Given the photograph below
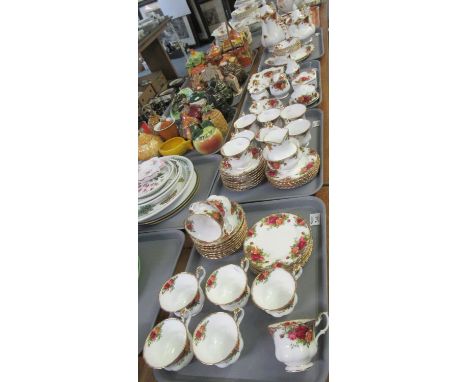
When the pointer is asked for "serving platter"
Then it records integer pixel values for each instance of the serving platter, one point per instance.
(266, 191)
(158, 254)
(257, 361)
(206, 168)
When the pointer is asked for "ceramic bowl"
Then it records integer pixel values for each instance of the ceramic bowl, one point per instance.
(292, 112)
(227, 286)
(304, 78)
(280, 88)
(300, 129)
(296, 341)
(304, 94)
(175, 146)
(217, 339)
(237, 153)
(274, 291)
(205, 222)
(270, 117)
(246, 122)
(183, 291)
(169, 345)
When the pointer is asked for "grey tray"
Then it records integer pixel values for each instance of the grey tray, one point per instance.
(257, 361)
(266, 191)
(207, 169)
(317, 40)
(158, 254)
(303, 65)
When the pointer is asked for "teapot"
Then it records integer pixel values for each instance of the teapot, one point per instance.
(272, 32)
(296, 342)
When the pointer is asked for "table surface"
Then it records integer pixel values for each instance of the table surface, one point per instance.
(145, 373)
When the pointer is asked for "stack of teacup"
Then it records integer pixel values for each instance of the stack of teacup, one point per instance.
(242, 166)
(285, 137)
(217, 226)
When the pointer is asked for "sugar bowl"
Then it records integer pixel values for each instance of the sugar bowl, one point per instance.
(183, 292)
(217, 339)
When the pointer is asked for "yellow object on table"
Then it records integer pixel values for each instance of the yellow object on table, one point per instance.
(175, 146)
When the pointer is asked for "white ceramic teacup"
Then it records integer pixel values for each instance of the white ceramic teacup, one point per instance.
(292, 112)
(274, 291)
(299, 129)
(281, 153)
(248, 134)
(227, 210)
(296, 342)
(183, 291)
(270, 117)
(247, 123)
(237, 152)
(205, 222)
(217, 339)
(228, 286)
(169, 344)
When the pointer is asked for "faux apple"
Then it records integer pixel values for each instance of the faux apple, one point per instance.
(209, 141)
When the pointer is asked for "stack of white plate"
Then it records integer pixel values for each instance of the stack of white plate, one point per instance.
(165, 185)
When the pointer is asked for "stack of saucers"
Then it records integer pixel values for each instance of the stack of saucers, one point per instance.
(242, 166)
(306, 170)
(165, 186)
(278, 238)
(217, 226)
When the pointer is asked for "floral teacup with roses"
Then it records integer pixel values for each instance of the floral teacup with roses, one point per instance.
(227, 286)
(205, 222)
(217, 339)
(274, 290)
(183, 292)
(169, 344)
(296, 341)
(237, 153)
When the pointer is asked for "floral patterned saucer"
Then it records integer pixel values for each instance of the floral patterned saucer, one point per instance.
(307, 163)
(281, 237)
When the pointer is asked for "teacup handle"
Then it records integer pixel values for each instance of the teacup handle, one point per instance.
(185, 316)
(200, 274)
(238, 315)
(317, 323)
(297, 273)
(244, 263)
